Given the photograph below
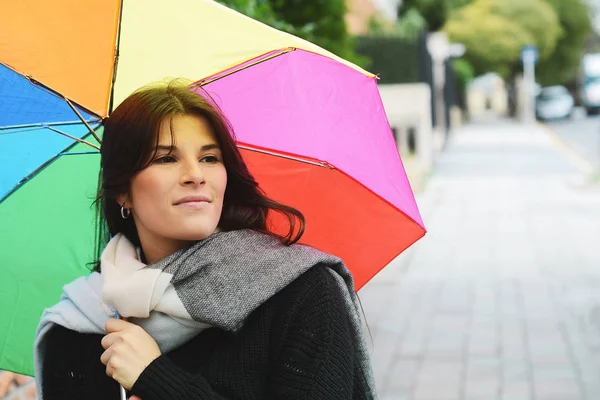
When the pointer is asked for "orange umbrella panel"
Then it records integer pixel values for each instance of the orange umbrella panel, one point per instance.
(67, 45)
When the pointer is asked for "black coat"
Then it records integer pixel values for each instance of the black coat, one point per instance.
(297, 345)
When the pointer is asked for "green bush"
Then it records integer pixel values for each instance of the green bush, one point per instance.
(464, 72)
(393, 59)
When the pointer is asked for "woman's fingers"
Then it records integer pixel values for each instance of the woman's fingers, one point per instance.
(6, 379)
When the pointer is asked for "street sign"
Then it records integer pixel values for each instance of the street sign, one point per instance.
(529, 53)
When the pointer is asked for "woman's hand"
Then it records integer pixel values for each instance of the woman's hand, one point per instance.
(129, 350)
(6, 380)
(9, 379)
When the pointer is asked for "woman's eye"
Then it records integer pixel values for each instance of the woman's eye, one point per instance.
(210, 159)
(165, 160)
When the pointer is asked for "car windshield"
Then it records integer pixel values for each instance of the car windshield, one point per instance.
(553, 92)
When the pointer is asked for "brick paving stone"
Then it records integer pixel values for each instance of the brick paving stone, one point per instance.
(404, 375)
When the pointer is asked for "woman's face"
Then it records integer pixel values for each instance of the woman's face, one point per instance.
(178, 198)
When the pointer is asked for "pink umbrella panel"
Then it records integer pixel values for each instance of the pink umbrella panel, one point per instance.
(327, 121)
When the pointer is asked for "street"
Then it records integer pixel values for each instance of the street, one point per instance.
(501, 299)
(581, 134)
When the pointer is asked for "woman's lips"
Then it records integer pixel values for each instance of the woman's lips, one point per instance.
(196, 201)
(193, 204)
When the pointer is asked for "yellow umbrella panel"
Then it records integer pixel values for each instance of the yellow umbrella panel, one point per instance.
(90, 51)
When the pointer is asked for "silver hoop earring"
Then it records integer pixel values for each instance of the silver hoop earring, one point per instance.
(125, 212)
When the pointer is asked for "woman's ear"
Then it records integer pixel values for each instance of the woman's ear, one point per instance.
(123, 201)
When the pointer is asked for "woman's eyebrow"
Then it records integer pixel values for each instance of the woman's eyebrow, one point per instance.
(206, 147)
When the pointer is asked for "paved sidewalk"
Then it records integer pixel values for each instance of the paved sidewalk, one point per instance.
(501, 300)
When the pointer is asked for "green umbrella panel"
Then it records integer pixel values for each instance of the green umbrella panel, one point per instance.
(47, 235)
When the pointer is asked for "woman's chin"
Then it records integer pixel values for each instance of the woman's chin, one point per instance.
(195, 235)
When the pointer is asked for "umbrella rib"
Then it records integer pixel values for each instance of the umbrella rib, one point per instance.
(42, 125)
(29, 177)
(116, 61)
(271, 153)
(49, 90)
(73, 137)
(94, 134)
(53, 92)
(78, 153)
(259, 60)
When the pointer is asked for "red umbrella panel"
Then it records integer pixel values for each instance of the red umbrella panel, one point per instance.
(316, 137)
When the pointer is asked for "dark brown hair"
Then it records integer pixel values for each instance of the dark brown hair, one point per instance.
(129, 142)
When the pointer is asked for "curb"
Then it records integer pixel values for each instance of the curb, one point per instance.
(574, 157)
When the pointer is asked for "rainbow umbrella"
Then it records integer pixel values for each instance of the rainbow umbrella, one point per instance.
(310, 125)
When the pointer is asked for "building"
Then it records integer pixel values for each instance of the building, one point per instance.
(360, 12)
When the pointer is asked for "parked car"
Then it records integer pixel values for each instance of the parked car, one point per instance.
(554, 102)
(591, 96)
(588, 83)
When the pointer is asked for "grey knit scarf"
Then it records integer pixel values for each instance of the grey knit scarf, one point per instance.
(216, 282)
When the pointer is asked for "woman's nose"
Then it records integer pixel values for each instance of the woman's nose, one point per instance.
(192, 173)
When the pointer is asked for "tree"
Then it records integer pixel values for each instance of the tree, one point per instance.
(320, 22)
(492, 42)
(410, 25)
(494, 32)
(326, 20)
(434, 12)
(536, 17)
(561, 67)
(560, 57)
(262, 11)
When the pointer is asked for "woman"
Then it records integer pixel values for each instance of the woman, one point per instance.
(217, 306)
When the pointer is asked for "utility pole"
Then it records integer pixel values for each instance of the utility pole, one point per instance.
(529, 57)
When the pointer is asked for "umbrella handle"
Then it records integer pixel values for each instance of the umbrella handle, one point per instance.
(122, 392)
(121, 388)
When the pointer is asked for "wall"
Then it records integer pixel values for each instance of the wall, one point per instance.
(408, 107)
